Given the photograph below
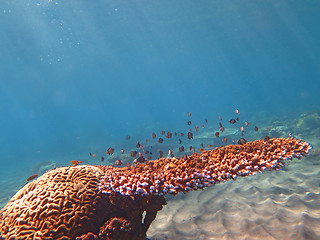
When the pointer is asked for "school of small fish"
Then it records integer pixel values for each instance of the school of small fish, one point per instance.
(144, 153)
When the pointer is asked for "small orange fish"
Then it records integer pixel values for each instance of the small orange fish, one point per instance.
(197, 128)
(122, 151)
(246, 123)
(220, 118)
(75, 163)
(32, 177)
(93, 155)
(241, 128)
(182, 134)
(163, 132)
(189, 114)
(237, 111)
(210, 145)
(202, 126)
(217, 134)
(154, 135)
(201, 149)
(146, 140)
(224, 139)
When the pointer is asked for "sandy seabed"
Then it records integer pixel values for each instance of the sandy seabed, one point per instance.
(283, 204)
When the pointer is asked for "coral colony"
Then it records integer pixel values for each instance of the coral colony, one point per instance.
(106, 202)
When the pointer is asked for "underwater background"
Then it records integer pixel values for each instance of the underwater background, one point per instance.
(78, 77)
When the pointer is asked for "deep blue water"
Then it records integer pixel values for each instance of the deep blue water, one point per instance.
(79, 76)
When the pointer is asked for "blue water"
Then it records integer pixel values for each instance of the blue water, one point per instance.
(79, 76)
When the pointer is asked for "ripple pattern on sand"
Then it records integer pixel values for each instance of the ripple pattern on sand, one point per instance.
(273, 205)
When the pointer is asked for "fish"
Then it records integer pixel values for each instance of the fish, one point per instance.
(241, 128)
(180, 141)
(146, 152)
(217, 134)
(32, 177)
(189, 114)
(93, 155)
(190, 148)
(222, 129)
(190, 135)
(169, 135)
(201, 144)
(128, 137)
(75, 163)
(237, 119)
(122, 151)
(181, 134)
(210, 145)
(197, 128)
(184, 156)
(189, 123)
(220, 118)
(220, 124)
(160, 140)
(90, 154)
(247, 123)
(110, 151)
(256, 128)
(175, 133)
(160, 154)
(224, 139)
(163, 132)
(232, 121)
(133, 153)
(154, 135)
(171, 153)
(138, 144)
(118, 163)
(149, 158)
(237, 111)
(202, 126)
(146, 140)
(141, 159)
(201, 149)
(206, 120)
(102, 159)
(181, 149)
(267, 138)
(128, 165)
(241, 141)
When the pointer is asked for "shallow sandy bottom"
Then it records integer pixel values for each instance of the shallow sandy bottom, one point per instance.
(282, 204)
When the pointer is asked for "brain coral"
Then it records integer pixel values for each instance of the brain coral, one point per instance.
(103, 202)
(61, 203)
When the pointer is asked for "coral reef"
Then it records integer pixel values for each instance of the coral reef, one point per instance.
(99, 202)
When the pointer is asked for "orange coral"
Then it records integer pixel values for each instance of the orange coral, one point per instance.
(89, 202)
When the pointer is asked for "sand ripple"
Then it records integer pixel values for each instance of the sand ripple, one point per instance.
(273, 205)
